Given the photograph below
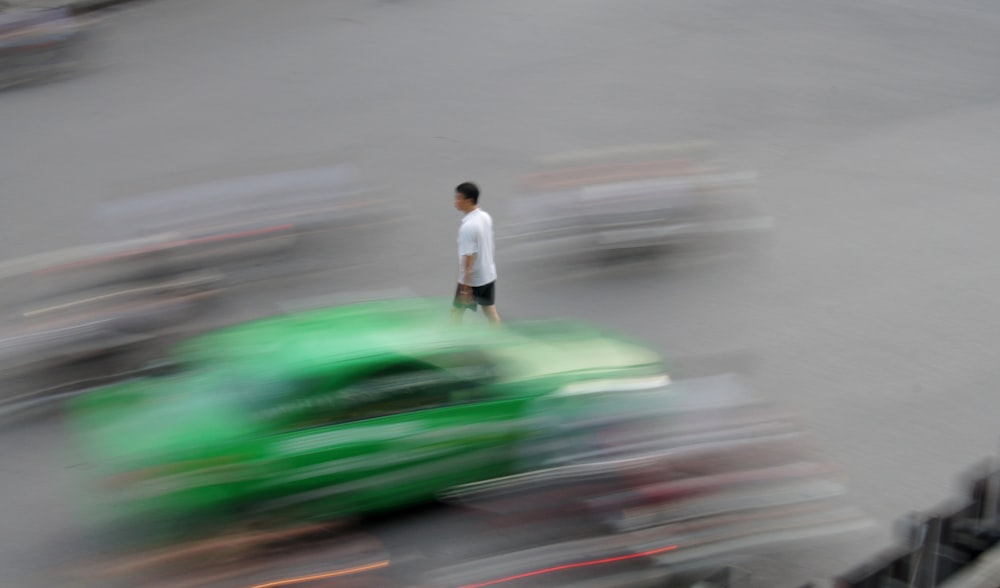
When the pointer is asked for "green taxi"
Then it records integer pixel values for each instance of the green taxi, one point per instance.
(341, 411)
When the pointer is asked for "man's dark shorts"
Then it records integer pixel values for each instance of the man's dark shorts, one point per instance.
(484, 295)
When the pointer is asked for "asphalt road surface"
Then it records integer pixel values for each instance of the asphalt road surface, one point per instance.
(874, 126)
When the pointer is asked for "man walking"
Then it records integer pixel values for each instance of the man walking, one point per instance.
(477, 273)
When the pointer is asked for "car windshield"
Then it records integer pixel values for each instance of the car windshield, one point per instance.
(256, 394)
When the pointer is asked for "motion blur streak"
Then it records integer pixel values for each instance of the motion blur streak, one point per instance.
(581, 564)
(589, 206)
(169, 245)
(346, 572)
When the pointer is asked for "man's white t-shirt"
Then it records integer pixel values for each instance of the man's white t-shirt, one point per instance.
(475, 236)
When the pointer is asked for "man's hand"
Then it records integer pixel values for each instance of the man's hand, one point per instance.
(465, 294)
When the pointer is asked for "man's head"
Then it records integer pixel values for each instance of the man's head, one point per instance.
(466, 196)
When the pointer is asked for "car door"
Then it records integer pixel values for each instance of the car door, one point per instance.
(320, 462)
(388, 438)
(454, 428)
(467, 438)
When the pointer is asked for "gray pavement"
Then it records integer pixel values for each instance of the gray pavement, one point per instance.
(873, 125)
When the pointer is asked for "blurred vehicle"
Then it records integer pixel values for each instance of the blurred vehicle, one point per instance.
(238, 222)
(79, 303)
(617, 480)
(163, 259)
(640, 198)
(337, 412)
(37, 43)
(666, 483)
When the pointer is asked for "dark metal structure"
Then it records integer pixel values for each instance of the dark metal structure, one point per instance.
(939, 546)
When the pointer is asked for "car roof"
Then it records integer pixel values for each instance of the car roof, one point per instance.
(306, 341)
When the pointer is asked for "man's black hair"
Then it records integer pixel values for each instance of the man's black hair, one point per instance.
(469, 191)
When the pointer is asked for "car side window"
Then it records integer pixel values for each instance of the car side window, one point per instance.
(407, 386)
(399, 390)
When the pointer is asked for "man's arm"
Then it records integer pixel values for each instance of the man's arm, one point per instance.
(468, 248)
(467, 263)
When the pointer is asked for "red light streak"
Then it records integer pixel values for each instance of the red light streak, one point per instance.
(571, 566)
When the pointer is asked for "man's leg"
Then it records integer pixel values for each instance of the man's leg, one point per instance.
(486, 297)
(492, 315)
(457, 314)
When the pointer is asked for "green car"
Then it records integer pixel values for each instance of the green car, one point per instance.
(342, 411)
